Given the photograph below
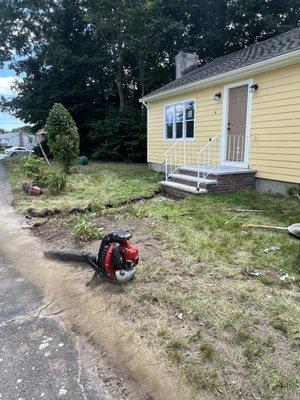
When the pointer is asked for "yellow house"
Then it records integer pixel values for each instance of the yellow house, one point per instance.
(231, 123)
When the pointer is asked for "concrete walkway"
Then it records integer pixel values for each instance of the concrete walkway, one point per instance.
(39, 357)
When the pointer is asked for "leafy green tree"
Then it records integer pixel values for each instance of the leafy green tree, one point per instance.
(23, 129)
(98, 57)
(123, 136)
(62, 135)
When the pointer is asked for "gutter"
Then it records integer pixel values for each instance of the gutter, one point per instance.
(262, 66)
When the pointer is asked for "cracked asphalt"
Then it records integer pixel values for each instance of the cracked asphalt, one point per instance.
(40, 358)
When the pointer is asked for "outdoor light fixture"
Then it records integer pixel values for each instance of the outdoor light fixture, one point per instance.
(253, 88)
(217, 96)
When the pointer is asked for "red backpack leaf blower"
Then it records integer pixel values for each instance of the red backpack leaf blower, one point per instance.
(116, 259)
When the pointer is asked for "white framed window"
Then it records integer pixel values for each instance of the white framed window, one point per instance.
(180, 120)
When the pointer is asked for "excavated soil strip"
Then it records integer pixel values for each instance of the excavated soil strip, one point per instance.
(47, 212)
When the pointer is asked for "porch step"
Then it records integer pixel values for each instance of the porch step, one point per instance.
(220, 171)
(180, 189)
(193, 179)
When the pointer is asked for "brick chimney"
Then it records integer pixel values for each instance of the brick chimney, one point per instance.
(185, 62)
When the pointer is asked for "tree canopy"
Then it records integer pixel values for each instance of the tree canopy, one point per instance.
(98, 57)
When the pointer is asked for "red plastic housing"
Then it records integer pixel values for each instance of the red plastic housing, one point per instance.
(128, 251)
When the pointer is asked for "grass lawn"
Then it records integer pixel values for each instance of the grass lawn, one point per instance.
(207, 294)
(97, 183)
(232, 334)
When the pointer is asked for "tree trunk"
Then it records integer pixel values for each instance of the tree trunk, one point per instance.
(119, 79)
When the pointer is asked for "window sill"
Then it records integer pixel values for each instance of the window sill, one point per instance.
(180, 139)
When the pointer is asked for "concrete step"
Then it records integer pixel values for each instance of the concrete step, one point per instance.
(180, 189)
(192, 180)
(220, 171)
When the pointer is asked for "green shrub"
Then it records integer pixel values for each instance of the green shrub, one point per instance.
(40, 174)
(55, 180)
(294, 191)
(84, 228)
(33, 169)
(83, 160)
(62, 136)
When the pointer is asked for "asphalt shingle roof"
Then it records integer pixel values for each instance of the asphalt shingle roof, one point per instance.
(267, 49)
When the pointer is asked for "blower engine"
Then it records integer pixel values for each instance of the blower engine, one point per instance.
(116, 259)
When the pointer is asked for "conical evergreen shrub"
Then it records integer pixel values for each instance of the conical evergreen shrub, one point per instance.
(63, 137)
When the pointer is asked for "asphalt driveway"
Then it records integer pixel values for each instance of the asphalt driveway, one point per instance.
(40, 357)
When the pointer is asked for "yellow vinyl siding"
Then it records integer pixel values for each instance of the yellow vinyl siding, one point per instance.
(275, 123)
(208, 120)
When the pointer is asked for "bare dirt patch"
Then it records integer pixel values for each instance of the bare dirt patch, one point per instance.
(57, 232)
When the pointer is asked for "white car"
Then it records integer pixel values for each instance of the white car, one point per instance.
(18, 151)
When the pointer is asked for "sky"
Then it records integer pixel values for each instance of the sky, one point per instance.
(7, 78)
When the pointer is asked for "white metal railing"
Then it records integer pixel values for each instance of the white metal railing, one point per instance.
(235, 148)
(208, 158)
(171, 164)
(201, 154)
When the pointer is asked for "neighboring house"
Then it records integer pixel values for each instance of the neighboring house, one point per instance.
(17, 140)
(231, 123)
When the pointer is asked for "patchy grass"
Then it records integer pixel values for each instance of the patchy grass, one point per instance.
(234, 329)
(231, 334)
(97, 183)
(208, 229)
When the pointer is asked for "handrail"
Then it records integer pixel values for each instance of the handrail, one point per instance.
(187, 152)
(177, 165)
(169, 149)
(210, 159)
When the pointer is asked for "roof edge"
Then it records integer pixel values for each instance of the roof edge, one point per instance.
(261, 66)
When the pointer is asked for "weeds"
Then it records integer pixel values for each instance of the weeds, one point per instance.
(96, 183)
(243, 335)
(280, 325)
(196, 336)
(174, 349)
(33, 169)
(256, 347)
(55, 181)
(207, 350)
(51, 178)
(84, 228)
(201, 376)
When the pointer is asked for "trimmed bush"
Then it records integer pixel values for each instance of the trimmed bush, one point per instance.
(62, 136)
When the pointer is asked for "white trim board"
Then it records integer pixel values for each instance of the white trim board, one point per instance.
(223, 148)
(240, 73)
(147, 130)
